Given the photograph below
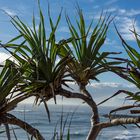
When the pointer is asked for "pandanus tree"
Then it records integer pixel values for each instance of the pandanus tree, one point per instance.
(88, 60)
(80, 59)
(43, 77)
(10, 77)
(130, 73)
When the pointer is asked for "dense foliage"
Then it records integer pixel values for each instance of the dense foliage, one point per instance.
(42, 66)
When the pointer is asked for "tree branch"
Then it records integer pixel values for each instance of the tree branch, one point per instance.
(117, 93)
(121, 121)
(11, 119)
(114, 122)
(9, 106)
(95, 117)
(89, 101)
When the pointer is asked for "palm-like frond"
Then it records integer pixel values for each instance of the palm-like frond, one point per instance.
(85, 48)
(44, 74)
(132, 72)
(133, 67)
(10, 77)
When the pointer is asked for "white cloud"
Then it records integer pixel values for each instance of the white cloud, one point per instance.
(96, 6)
(124, 19)
(131, 12)
(8, 11)
(110, 42)
(99, 91)
(128, 36)
(63, 29)
(111, 85)
(36, 27)
(125, 24)
(3, 56)
(103, 85)
(91, 16)
(113, 9)
(111, 2)
(123, 12)
(103, 90)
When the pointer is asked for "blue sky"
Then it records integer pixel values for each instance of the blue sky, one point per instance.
(127, 13)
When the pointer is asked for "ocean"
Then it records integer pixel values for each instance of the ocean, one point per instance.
(77, 117)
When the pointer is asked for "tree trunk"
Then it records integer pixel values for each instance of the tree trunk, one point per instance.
(94, 132)
(95, 128)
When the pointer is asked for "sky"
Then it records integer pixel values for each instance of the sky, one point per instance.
(126, 12)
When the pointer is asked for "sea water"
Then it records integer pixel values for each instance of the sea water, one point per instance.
(75, 117)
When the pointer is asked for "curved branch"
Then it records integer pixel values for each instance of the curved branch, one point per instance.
(9, 106)
(69, 94)
(11, 119)
(95, 118)
(117, 93)
(114, 122)
(121, 121)
(89, 101)
(93, 133)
